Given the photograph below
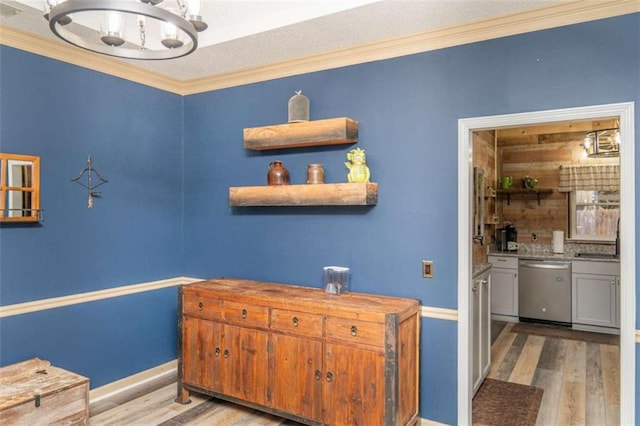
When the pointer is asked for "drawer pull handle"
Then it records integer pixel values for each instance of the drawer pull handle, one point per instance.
(329, 377)
(200, 306)
(354, 330)
(318, 375)
(295, 321)
(226, 353)
(217, 352)
(244, 313)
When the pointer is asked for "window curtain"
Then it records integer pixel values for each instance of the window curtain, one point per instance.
(597, 177)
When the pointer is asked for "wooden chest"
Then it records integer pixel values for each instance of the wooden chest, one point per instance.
(34, 392)
(300, 353)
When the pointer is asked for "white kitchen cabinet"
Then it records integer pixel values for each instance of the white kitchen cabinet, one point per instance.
(504, 287)
(481, 327)
(595, 290)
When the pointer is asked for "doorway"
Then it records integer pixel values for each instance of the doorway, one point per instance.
(625, 113)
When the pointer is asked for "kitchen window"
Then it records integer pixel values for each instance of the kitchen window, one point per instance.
(594, 215)
(594, 194)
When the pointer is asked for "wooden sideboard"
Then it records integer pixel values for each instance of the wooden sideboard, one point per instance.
(300, 353)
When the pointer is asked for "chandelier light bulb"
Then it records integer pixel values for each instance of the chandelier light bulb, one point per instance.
(50, 4)
(170, 37)
(193, 8)
(111, 33)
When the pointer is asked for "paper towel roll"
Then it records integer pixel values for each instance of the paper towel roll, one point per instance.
(558, 241)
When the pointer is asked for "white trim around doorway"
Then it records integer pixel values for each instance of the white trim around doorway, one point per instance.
(625, 111)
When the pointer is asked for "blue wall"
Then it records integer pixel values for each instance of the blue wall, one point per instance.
(408, 110)
(63, 114)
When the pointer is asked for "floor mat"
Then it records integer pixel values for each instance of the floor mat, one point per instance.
(504, 403)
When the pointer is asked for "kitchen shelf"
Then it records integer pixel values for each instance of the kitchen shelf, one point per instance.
(525, 191)
(332, 131)
(326, 194)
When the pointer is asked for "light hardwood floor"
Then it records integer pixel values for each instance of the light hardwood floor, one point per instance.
(581, 380)
(159, 408)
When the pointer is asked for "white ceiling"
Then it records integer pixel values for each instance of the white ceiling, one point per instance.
(245, 34)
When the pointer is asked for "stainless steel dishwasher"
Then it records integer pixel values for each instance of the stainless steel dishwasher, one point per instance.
(544, 290)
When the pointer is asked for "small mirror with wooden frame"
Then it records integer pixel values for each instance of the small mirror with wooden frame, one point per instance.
(19, 188)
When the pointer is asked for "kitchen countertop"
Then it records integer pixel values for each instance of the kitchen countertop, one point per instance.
(555, 256)
(479, 268)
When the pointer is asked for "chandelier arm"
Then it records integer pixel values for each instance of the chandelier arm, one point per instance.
(60, 12)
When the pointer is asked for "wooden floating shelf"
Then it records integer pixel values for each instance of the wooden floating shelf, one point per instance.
(326, 194)
(332, 131)
(513, 191)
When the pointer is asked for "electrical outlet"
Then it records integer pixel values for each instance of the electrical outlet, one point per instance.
(534, 236)
(427, 269)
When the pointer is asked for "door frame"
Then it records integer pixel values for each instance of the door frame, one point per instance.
(625, 112)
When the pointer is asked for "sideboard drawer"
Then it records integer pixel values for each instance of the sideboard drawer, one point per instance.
(246, 314)
(354, 331)
(296, 322)
(202, 307)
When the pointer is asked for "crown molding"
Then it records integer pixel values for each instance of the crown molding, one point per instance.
(565, 13)
(83, 58)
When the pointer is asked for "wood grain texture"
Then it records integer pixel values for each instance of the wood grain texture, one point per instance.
(579, 373)
(525, 367)
(327, 194)
(33, 392)
(595, 407)
(333, 131)
(610, 357)
(346, 364)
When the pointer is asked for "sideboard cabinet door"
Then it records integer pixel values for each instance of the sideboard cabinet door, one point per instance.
(201, 350)
(295, 368)
(354, 391)
(244, 361)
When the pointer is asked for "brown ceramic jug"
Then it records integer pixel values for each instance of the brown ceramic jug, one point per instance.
(278, 174)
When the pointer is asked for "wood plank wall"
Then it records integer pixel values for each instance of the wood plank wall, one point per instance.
(537, 151)
(484, 156)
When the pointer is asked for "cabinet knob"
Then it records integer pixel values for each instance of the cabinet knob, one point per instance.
(475, 289)
(329, 377)
(200, 306)
(354, 330)
(318, 375)
(217, 352)
(485, 282)
(226, 353)
(244, 313)
(295, 321)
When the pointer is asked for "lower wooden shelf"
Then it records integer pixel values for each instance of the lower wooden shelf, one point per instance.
(326, 194)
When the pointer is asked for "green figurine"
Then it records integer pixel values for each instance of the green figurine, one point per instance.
(358, 170)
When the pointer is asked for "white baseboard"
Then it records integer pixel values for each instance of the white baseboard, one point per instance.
(135, 383)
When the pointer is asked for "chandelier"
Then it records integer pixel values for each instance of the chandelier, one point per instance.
(128, 28)
(602, 143)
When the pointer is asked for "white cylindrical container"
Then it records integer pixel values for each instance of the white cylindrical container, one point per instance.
(558, 241)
